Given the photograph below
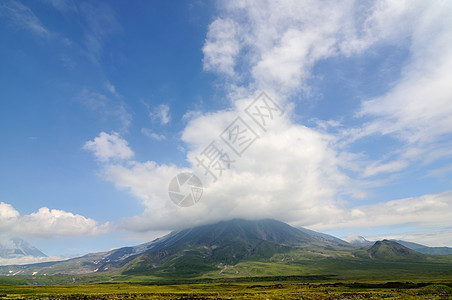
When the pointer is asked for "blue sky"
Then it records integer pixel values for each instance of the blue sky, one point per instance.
(103, 103)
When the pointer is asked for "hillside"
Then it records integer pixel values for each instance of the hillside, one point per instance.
(390, 250)
(324, 237)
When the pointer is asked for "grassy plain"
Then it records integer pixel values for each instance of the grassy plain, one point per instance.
(280, 289)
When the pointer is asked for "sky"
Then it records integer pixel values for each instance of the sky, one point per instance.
(342, 113)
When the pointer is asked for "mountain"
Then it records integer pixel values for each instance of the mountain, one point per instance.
(425, 249)
(390, 250)
(15, 248)
(227, 234)
(358, 240)
(203, 248)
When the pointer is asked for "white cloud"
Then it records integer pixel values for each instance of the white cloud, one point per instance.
(378, 168)
(280, 41)
(58, 223)
(191, 114)
(289, 174)
(430, 210)
(418, 110)
(275, 44)
(8, 215)
(149, 133)
(23, 17)
(221, 47)
(109, 146)
(7, 212)
(161, 114)
(47, 223)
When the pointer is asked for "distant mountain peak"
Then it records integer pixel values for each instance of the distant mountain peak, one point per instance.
(16, 247)
(357, 240)
(425, 249)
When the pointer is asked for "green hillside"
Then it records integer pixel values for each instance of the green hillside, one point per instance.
(390, 250)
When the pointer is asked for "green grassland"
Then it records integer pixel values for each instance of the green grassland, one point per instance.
(289, 289)
(290, 275)
(285, 276)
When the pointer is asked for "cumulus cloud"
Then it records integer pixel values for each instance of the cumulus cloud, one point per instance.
(289, 173)
(8, 215)
(47, 223)
(109, 146)
(221, 47)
